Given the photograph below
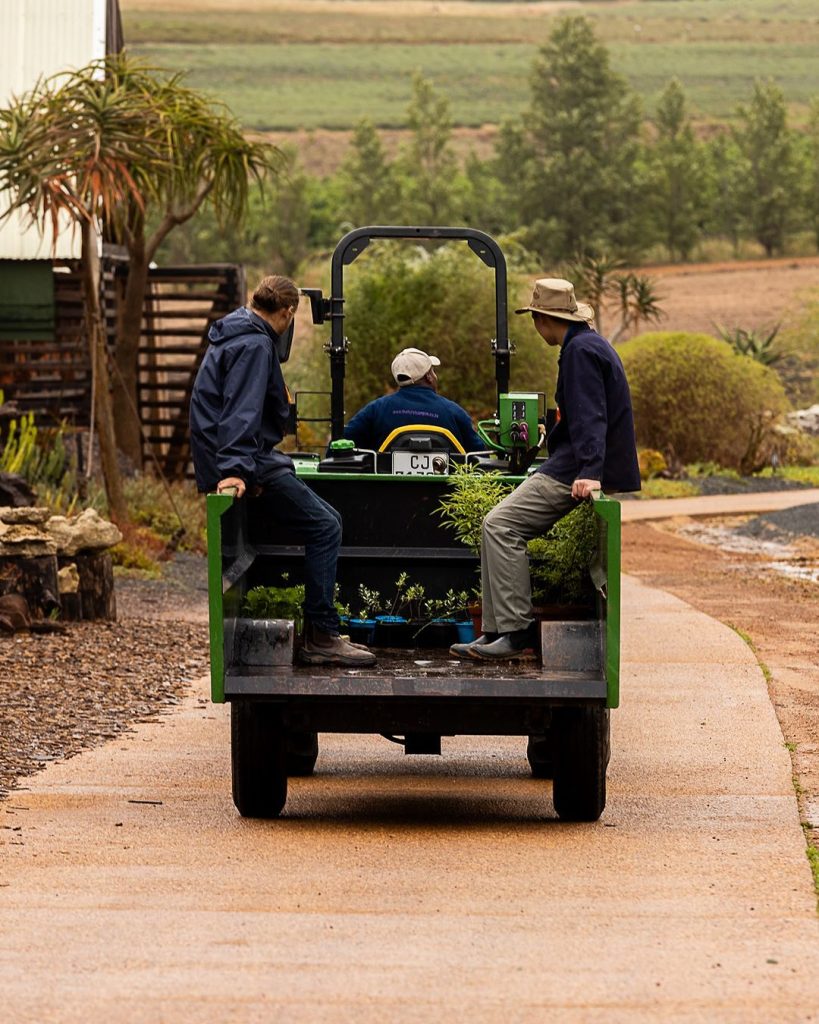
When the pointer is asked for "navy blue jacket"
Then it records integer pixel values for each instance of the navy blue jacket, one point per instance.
(410, 405)
(240, 405)
(594, 437)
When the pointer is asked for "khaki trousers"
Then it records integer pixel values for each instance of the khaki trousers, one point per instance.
(529, 511)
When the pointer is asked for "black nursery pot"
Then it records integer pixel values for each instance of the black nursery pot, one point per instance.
(441, 633)
(393, 631)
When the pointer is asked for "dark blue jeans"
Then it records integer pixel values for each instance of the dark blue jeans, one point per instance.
(317, 525)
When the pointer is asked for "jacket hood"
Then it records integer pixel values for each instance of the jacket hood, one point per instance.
(240, 322)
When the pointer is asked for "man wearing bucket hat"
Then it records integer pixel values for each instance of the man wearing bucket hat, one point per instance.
(592, 446)
(415, 403)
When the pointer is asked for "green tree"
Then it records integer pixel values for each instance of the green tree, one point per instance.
(368, 186)
(677, 186)
(147, 145)
(580, 190)
(73, 152)
(771, 186)
(428, 168)
(724, 167)
(811, 168)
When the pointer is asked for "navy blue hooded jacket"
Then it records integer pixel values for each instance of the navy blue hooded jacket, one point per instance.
(240, 405)
(594, 437)
(410, 405)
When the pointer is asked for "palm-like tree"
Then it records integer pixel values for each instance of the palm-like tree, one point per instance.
(117, 145)
(70, 166)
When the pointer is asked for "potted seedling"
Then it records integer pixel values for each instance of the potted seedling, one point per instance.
(393, 629)
(362, 627)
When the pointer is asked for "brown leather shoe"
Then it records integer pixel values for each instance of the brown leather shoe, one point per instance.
(330, 649)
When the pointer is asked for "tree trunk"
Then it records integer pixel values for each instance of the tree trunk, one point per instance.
(96, 590)
(129, 331)
(103, 411)
(34, 577)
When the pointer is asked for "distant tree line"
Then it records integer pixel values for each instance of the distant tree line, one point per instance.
(581, 172)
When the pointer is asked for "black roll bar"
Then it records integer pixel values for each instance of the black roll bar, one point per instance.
(350, 248)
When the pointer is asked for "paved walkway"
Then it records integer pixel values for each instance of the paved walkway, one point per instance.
(718, 504)
(419, 889)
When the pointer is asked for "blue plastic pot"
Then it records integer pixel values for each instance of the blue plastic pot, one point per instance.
(466, 631)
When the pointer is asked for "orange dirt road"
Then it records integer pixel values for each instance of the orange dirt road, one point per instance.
(419, 889)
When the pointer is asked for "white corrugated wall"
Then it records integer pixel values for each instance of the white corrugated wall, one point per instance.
(42, 37)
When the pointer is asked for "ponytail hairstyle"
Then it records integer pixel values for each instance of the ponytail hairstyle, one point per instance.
(274, 293)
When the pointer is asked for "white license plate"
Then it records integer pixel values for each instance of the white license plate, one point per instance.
(420, 463)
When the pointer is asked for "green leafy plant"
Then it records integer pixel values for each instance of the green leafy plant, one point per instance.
(471, 496)
(559, 561)
(369, 602)
(400, 586)
(40, 458)
(759, 345)
(276, 603)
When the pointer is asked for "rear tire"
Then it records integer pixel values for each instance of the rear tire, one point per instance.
(582, 750)
(302, 752)
(258, 753)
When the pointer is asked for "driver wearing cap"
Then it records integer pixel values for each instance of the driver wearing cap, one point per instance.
(416, 403)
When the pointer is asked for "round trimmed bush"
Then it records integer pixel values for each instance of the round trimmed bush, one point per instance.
(697, 400)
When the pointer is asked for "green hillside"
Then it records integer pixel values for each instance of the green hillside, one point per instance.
(280, 65)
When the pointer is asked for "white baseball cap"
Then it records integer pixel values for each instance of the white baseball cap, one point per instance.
(410, 365)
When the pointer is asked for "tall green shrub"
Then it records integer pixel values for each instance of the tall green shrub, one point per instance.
(697, 400)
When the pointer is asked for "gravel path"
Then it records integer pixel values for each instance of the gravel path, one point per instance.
(63, 693)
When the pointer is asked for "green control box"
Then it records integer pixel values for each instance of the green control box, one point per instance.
(518, 420)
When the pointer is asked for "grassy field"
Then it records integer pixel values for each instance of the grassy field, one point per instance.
(281, 64)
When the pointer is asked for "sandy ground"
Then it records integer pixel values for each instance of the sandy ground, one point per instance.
(428, 888)
(752, 295)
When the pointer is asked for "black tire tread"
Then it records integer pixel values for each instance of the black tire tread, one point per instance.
(258, 759)
(582, 749)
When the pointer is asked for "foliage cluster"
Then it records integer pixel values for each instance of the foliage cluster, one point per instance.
(471, 496)
(276, 603)
(637, 187)
(559, 562)
(40, 458)
(410, 600)
(696, 399)
(442, 301)
(151, 505)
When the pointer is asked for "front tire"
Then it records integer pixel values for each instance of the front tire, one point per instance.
(258, 753)
(582, 750)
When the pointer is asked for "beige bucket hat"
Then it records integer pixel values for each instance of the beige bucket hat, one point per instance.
(555, 297)
(411, 364)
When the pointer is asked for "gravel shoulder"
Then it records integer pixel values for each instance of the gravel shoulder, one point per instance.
(62, 693)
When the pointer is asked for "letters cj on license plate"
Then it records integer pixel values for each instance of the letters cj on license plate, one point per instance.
(419, 463)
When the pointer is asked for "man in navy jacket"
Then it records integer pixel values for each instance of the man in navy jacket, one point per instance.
(592, 446)
(415, 402)
(238, 415)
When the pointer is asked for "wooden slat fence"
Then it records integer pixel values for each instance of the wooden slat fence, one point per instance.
(52, 379)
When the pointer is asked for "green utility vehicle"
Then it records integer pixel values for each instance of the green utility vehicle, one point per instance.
(416, 693)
